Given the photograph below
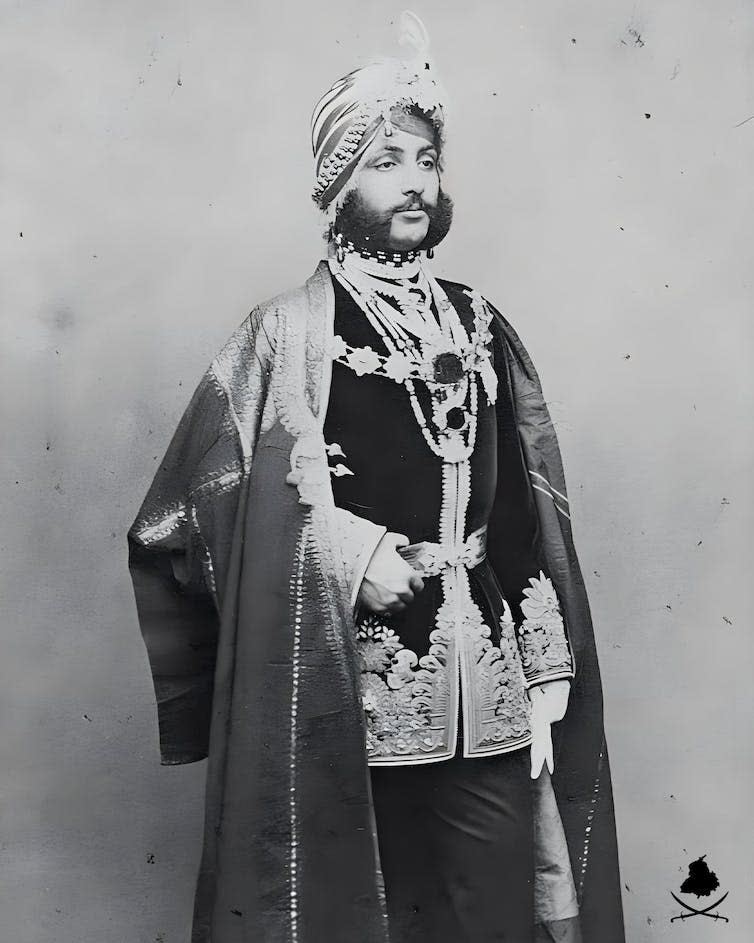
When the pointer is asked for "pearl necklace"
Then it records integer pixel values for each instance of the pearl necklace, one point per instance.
(439, 342)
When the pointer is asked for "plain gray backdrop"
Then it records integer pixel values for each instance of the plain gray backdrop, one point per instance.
(156, 171)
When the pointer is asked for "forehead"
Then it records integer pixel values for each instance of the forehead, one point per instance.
(401, 141)
(414, 123)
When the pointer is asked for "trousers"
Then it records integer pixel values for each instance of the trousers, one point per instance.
(456, 846)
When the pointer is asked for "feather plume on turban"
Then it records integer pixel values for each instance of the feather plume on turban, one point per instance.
(349, 115)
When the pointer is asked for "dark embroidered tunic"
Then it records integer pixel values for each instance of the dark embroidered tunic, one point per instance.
(412, 707)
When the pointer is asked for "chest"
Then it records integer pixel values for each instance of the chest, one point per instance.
(384, 466)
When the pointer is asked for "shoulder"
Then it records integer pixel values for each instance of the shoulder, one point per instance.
(503, 332)
(263, 325)
(293, 303)
(307, 294)
(458, 292)
(469, 304)
(455, 290)
(468, 297)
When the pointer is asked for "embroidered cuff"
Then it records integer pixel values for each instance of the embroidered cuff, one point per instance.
(358, 540)
(545, 679)
(545, 652)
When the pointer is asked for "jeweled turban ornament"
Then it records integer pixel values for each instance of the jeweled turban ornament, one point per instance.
(358, 107)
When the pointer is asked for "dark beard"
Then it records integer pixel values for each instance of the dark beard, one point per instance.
(368, 229)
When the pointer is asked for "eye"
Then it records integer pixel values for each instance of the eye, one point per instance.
(384, 165)
(428, 162)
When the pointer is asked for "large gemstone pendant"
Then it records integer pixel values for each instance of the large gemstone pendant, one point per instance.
(447, 367)
(456, 419)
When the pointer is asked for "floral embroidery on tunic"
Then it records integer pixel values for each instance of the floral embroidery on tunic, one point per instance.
(409, 701)
(400, 690)
(406, 698)
(543, 642)
(499, 681)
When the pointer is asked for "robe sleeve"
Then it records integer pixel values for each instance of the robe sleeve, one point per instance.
(358, 540)
(520, 563)
(180, 541)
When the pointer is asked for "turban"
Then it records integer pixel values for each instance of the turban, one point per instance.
(349, 115)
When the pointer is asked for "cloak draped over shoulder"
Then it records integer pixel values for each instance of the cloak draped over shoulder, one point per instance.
(244, 604)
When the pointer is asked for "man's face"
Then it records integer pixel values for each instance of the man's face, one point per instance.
(397, 187)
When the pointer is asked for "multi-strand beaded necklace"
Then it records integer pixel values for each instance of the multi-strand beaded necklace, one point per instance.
(425, 341)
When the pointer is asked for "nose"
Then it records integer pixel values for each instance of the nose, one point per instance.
(413, 181)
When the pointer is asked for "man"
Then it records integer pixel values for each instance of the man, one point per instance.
(358, 589)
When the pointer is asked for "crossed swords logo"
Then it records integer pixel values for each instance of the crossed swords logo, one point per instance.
(692, 912)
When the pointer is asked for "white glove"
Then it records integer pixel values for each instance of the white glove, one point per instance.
(548, 705)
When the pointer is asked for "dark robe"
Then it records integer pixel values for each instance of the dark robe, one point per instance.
(244, 606)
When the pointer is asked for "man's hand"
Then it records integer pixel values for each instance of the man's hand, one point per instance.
(548, 705)
(389, 583)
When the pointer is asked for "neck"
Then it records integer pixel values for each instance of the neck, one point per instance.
(385, 263)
